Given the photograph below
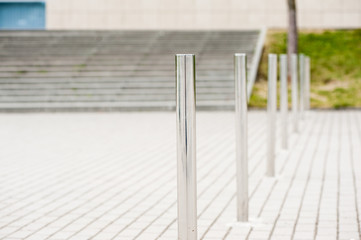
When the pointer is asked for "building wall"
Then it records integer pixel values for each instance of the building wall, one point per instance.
(199, 14)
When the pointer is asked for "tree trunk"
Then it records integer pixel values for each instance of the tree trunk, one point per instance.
(292, 42)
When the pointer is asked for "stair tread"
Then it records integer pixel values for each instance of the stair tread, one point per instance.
(115, 69)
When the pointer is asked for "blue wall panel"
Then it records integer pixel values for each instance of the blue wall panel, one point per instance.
(22, 15)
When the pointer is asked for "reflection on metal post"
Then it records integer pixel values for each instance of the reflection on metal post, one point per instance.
(294, 91)
(240, 66)
(302, 85)
(284, 99)
(308, 82)
(271, 109)
(186, 147)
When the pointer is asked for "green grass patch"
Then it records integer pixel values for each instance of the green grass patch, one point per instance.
(335, 66)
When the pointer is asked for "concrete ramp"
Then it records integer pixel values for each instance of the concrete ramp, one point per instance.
(118, 70)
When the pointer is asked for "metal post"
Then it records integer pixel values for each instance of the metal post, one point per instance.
(308, 82)
(240, 66)
(271, 109)
(284, 99)
(302, 85)
(294, 91)
(186, 147)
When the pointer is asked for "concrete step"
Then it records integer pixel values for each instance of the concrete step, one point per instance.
(106, 79)
(115, 70)
(110, 106)
(125, 85)
(111, 91)
(108, 98)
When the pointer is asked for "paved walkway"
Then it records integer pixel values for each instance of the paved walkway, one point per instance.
(113, 176)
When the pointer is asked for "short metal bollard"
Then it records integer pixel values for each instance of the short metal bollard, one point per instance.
(186, 146)
(284, 100)
(302, 85)
(294, 80)
(271, 109)
(307, 82)
(240, 76)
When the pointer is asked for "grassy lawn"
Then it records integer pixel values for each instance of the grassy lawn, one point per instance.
(335, 67)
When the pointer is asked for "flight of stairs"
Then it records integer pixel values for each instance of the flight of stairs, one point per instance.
(115, 70)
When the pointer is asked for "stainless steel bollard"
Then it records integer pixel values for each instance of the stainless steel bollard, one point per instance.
(294, 80)
(308, 82)
(186, 146)
(302, 85)
(271, 109)
(284, 100)
(240, 76)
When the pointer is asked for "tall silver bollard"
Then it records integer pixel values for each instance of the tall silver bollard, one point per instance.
(308, 82)
(271, 109)
(240, 76)
(186, 146)
(302, 85)
(284, 100)
(294, 80)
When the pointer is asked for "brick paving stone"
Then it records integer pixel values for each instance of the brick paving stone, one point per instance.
(113, 176)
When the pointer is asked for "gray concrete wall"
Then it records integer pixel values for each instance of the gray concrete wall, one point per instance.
(199, 14)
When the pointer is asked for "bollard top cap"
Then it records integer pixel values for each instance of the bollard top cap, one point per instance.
(185, 55)
(240, 54)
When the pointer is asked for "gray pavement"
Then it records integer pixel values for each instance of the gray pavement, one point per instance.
(113, 176)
